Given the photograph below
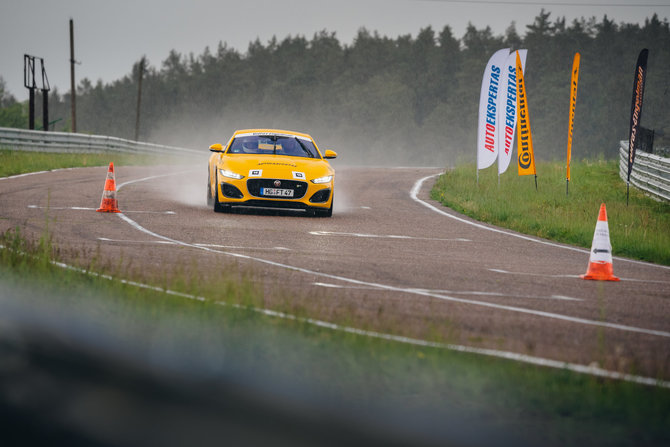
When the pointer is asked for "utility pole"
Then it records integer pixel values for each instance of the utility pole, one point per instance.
(73, 93)
(140, 75)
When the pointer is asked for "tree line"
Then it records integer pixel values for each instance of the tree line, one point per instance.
(380, 100)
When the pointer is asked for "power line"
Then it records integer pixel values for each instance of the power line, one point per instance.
(540, 3)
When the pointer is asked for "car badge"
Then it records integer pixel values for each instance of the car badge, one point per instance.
(277, 183)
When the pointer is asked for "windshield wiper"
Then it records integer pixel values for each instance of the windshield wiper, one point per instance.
(302, 146)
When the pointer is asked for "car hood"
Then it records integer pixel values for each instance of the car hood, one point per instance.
(275, 166)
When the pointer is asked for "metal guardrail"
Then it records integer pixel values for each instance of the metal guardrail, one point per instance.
(650, 173)
(40, 141)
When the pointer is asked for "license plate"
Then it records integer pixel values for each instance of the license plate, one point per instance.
(277, 192)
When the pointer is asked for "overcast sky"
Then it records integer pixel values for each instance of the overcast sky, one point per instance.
(111, 35)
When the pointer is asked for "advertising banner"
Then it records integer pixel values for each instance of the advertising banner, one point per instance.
(488, 129)
(507, 110)
(573, 104)
(636, 107)
(524, 137)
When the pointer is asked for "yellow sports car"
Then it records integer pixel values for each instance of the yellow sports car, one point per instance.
(271, 169)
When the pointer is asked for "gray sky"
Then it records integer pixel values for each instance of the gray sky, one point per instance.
(111, 35)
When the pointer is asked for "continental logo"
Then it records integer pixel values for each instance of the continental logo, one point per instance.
(524, 137)
(525, 155)
(573, 103)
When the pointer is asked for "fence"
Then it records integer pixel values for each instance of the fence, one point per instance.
(650, 173)
(40, 141)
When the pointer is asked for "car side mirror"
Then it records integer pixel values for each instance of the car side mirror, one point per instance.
(330, 154)
(218, 147)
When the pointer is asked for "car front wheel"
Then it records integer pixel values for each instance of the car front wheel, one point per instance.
(218, 207)
(210, 199)
(316, 212)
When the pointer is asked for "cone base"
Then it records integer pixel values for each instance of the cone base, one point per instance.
(109, 206)
(600, 278)
(599, 272)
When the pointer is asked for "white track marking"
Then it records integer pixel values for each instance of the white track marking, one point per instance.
(406, 290)
(385, 236)
(126, 241)
(35, 173)
(573, 276)
(504, 295)
(567, 298)
(144, 179)
(414, 196)
(161, 242)
(82, 208)
(243, 248)
(456, 292)
(523, 358)
(69, 169)
(76, 208)
(531, 274)
(340, 286)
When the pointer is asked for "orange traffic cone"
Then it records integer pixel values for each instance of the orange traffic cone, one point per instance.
(600, 260)
(109, 204)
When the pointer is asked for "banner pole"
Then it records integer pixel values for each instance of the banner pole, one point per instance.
(567, 187)
(627, 192)
(535, 182)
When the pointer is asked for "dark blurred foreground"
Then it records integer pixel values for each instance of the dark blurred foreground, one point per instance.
(67, 380)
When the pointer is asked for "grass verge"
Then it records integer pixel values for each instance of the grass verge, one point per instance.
(457, 396)
(21, 162)
(638, 230)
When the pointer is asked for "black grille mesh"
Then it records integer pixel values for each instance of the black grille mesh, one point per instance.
(254, 186)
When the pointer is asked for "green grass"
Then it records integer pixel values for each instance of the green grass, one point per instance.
(21, 162)
(638, 230)
(549, 406)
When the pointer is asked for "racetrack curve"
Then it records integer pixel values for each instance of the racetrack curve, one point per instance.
(389, 260)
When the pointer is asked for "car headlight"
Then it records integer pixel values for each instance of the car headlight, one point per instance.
(230, 174)
(325, 179)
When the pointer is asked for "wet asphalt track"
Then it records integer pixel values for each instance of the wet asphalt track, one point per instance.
(385, 256)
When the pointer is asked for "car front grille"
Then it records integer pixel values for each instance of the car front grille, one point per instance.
(254, 187)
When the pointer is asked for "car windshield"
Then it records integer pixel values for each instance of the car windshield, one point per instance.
(274, 144)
